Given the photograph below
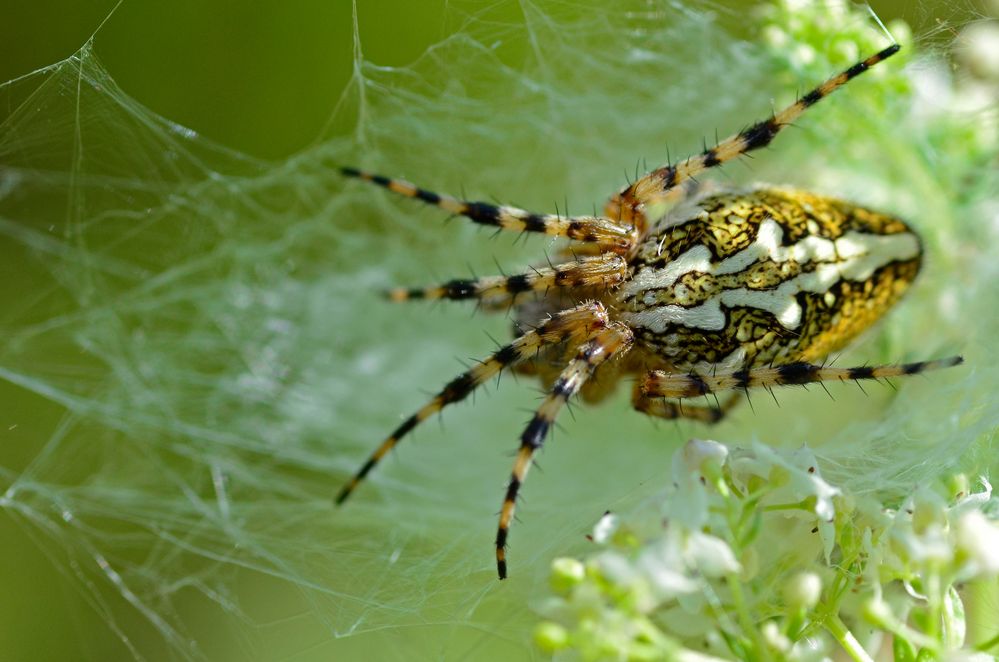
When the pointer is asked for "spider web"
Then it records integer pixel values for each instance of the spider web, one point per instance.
(202, 331)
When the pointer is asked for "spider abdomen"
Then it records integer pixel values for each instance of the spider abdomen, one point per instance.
(768, 275)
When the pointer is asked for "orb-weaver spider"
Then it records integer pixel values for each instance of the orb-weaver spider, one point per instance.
(750, 289)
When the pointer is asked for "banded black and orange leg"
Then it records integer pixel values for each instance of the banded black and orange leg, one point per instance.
(611, 341)
(629, 211)
(661, 384)
(660, 407)
(602, 271)
(608, 234)
(664, 184)
(575, 325)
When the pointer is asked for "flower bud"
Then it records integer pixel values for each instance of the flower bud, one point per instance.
(551, 637)
(977, 49)
(774, 637)
(802, 591)
(566, 573)
(697, 453)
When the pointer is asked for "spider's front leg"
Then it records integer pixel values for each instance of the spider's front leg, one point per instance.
(629, 211)
(662, 384)
(607, 234)
(572, 326)
(665, 184)
(611, 341)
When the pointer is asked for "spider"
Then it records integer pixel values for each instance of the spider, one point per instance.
(751, 288)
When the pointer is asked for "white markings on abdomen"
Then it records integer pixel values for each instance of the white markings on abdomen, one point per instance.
(696, 259)
(855, 257)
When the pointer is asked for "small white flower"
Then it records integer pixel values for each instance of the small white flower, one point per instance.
(932, 545)
(664, 570)
(977, 49)
(696, 453)
(689, 504)
(799, 471)
(615, 568)
(774, 637)
(978, 542)
(968, 656)
(809, 649)
(805, 481)
(775, 37)
(803, 55)
(687, 655)
(710, 555)
(605, 528)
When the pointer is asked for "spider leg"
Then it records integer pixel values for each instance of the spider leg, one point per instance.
(604, 271)
(662, 185)
(659, 383)
(573, 325)
(660, 407)
(588, 229)
(576, 251)
(629, 211)
(612, 340)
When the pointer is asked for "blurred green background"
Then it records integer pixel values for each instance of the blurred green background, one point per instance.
(264, 81)
(261, 80)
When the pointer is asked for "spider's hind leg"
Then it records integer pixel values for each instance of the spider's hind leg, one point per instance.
(660, 407)
(662, 384)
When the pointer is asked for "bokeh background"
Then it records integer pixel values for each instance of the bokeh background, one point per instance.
(264, 82)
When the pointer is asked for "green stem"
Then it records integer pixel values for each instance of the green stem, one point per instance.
(745, 618)
(846, 639)
(828, 608)
(749, 628)
(797, 505)
(987, 645)
(934, 603)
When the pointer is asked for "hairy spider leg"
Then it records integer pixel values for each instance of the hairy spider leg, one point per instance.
(611, 341)
(659, 383)
(573, 325)
(661, 185)
(629, 212)
(608, 234)
(660, 407)
(602, 271)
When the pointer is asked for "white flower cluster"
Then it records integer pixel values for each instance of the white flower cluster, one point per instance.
(754, 556)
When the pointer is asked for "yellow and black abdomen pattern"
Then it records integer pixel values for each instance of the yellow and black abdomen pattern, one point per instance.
(768, 275)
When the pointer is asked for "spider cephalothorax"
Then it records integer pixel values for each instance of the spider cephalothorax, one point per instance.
(749, 289)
